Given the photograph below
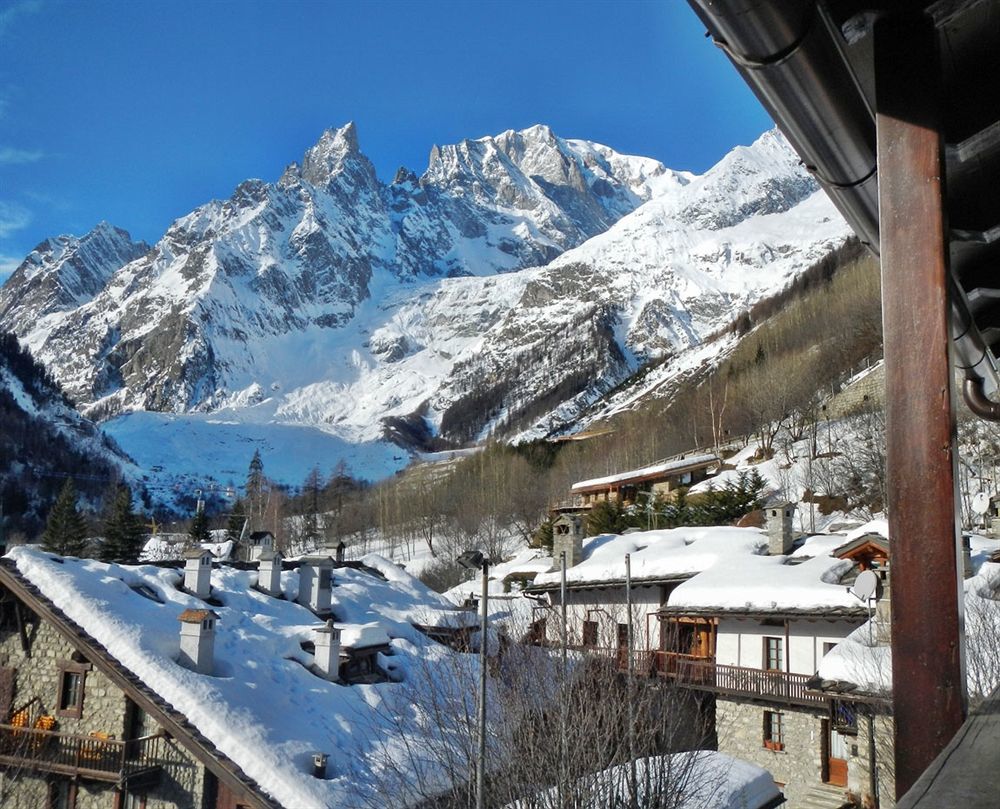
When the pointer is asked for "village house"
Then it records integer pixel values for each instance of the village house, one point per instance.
(210, 686)
(639, 486)
(744, 618)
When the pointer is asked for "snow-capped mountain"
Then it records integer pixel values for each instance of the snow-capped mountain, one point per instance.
(512, 284)
(62, 273)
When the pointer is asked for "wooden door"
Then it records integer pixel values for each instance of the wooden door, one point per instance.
(836, 764)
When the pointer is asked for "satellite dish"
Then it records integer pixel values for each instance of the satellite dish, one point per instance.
(866, 584)
(981, 503)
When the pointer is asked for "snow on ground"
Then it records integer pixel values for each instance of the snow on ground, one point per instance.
(183, 452)
(701, 779)
(262, 707)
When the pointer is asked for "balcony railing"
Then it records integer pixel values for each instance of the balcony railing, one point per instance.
(738, 681)
(91, 757)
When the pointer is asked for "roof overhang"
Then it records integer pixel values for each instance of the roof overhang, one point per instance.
(811, 64)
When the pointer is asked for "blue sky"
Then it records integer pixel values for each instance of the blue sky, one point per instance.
(136, 112)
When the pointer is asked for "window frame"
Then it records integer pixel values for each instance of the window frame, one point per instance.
(590, 634)
(773, 731)
(779, 650)
(70, 669)
(55, 800)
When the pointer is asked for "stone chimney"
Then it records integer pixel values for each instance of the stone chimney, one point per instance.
(316, 583)
(778, 523)
(269, 572)
(337, 551)
(198, 640)
(198, 572)
(327, 654)
(567, 537)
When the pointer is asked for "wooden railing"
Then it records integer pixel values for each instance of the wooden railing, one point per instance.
(739, 681)
(86, 756)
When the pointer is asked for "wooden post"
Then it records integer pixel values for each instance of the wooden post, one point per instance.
(928, 670)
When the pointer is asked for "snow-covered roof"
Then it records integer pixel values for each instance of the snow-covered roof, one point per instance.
(262, 709)
(720, 569)
(747, 583)
(664, 468)
(864, 658)
(672, 553)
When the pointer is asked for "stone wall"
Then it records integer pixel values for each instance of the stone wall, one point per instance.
(105, 708)
(867, 393)
(858, 767)
(797, 768)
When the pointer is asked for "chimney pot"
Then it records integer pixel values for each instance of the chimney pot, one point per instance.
(197, 642)
(316, 583)
(198, 572)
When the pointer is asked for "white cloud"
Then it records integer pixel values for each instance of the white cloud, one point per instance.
(9, 156)
(7, 266)
(13, 218)
(11, 13)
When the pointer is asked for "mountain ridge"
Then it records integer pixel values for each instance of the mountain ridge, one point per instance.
(501, 292)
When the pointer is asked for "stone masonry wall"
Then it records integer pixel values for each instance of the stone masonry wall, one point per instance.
(865, 394)
(104, 711)
(797, 767)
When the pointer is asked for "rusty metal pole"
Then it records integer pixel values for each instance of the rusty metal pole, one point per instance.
(928, 670)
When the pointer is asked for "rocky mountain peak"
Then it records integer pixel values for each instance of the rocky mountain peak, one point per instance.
(327, 158)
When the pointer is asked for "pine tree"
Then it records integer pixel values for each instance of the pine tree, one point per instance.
(123, 533)
(199, 527)
(234, 526)
(310, 519)
(66, 531)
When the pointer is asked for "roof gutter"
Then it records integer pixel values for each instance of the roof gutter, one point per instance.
(791, 55)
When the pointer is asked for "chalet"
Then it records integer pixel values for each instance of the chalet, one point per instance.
(252, 545)
(744, 618)
(122, 687)
(661, 478)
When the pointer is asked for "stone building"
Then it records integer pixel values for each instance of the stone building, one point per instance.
(80, 730)
(742, 618)
(123, 688)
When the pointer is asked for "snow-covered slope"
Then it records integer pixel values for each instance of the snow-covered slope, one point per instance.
(414, 309)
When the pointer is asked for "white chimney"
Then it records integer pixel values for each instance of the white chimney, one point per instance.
(316, 583)
(198, 572)
(197, 640)
(327, 653)
(269, 572)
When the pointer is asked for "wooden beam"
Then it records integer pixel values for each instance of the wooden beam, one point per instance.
(928, 671)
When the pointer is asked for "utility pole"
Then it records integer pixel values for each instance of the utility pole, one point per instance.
(563, 751)
(633, 787)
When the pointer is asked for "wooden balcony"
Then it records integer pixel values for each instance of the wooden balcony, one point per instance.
(133, 763)
(758, 685)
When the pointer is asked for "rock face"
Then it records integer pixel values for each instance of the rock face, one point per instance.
(516, 281)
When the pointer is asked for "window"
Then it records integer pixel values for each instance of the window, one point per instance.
(590, 633)
(131, 800)
(71, 686)
(828, 647)
(773, 735)
(773, 657)
(62, 795)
